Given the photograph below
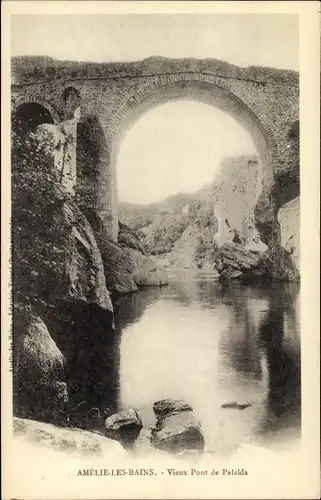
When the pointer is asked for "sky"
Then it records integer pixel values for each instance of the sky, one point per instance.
(242, 39)
(164, 151)
(176, 147)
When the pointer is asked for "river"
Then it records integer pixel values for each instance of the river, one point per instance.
(210, 344)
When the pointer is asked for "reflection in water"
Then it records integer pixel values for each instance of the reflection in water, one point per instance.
(210, 344)
(279, 340)
(129, 308)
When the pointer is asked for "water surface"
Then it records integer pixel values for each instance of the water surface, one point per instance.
(211, 344)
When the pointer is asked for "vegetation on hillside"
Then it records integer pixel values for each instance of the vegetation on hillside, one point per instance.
(164, 231)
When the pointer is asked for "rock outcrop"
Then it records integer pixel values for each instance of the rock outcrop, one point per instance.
(177, 429)
(235, 261)
(234, 194)
(124, 426)
(84, 270)
(128, 237)
(126, 268)
(236, 405)
(196, 247)
(193, 250)
(289, 220)
(118, 266)
(164, 231)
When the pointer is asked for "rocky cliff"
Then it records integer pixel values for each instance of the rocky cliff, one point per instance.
(63, 335)
(289, 220)
(196, 247)
(234, 195)
(66, 273)
(187, 231)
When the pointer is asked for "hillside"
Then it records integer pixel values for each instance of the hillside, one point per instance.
(138, 216)
(185, 229)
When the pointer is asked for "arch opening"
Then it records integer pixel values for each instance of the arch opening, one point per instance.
(177, 147)
(28, 116)
(208, 93)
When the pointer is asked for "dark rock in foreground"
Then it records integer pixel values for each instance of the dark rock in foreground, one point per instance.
(124, 426)
(177, 428)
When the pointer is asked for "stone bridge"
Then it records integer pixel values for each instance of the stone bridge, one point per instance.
(264, 101)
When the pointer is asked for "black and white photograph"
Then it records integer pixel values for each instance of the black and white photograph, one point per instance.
(155, 282)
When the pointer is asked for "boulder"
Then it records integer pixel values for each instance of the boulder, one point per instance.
(236, 405)
(40, 389)
(230, 274)
(74, 442)
(170, 407)
(124, 426)
(234, 194)
(177, 428)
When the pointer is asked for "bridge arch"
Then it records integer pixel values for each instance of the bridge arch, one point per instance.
(266, 99)
(36, 102)
(210, 89)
